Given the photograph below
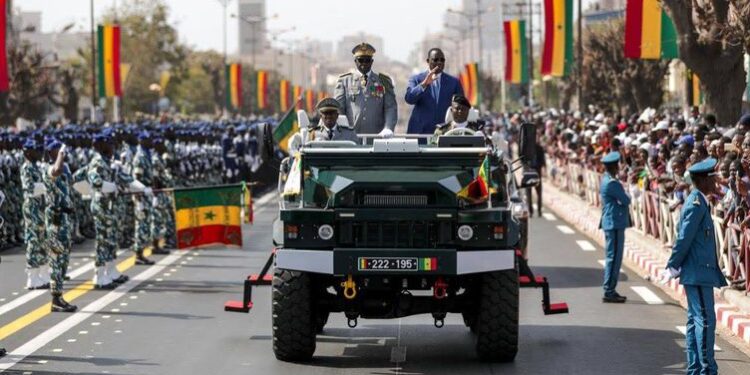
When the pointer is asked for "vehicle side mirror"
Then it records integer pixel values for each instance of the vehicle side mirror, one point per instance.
(527, 143)
(265, 142)
(530, 179)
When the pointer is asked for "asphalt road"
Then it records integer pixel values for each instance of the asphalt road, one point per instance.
(169, 320)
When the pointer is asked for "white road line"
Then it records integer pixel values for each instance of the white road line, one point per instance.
(586, 245)
(683, 330)
(266, 198)
(66, 325)
(27, 297)
(565, 229)
(647, 295)
(602, 262)
(549, 216)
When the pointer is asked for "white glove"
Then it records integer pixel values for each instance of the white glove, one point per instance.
(155, 201)
(669, 274)
(136, 186)
(39, 190)
(148, 192)
(386, 133)
(63, 149)
(108, 187)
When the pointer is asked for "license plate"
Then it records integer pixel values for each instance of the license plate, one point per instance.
(396, 264)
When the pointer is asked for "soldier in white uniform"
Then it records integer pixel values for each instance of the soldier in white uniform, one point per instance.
(367, 98)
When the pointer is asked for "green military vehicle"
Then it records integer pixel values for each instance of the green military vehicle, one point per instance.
(393, 228)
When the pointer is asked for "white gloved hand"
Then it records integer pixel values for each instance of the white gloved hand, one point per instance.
(148, 192)
(63, 149)
(136, 186)
(386, 133)
(39, 190)
(154, 201)
(108, 187)
(669, 274)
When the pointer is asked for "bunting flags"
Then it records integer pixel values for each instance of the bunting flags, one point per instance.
(262, 89)
(233, 76)
(649, 32)
(310, 100)
(516, 53)
(557, 55)
(4, 75)
(284, 94)
(472, 90)
(695, 96)
(108, 48)
(464, 79)
(296, 96)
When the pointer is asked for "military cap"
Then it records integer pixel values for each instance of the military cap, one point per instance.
(328, 104)
(705, 166)
(612, 157)
(30, 144)
(144, 135)
(103, 137)
(363, 49)
(460, 99)
(52, 144)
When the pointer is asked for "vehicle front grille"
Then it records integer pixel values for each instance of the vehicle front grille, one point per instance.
(398, 234)
(388, 200)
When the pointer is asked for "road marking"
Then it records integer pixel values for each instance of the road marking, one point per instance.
(683, 330)
(549, 216)
(565, 229)
(94, 307)
(70, 296)
(586, 245)
(603, 263)
(647, 295)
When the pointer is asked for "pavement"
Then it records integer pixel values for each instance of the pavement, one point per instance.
(169, 319)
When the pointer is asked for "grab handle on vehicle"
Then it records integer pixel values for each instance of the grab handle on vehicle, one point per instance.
(350, 288)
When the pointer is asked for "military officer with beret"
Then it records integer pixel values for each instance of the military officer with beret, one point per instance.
(328, 129)
(367, 98)
(460, 108)
(615, 218)
(694, 261)
(37, 268)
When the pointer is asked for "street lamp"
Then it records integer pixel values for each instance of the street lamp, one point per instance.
(253, 22)
(274, 37)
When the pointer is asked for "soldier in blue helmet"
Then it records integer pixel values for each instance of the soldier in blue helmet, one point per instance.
(694, 261)
(615, 218)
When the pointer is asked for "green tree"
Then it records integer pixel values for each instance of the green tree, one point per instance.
(32, 84)
(202, 90)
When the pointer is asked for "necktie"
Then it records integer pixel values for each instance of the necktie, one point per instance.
(436, 89)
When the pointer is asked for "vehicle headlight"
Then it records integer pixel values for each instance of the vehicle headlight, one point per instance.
(465, 232)
(325, 232)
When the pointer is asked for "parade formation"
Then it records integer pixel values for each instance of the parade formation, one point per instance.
(373, 206)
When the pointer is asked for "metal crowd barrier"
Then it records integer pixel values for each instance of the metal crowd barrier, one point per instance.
(651, 216)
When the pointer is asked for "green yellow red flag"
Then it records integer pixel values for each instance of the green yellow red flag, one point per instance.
(108, 61)
(210, 215)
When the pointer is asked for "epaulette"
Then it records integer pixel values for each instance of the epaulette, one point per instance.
(345, 74)
(443, 125)
(345, 126)
(387, 82)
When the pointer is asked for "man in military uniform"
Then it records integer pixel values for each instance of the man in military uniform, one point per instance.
(694, 261)
(57, 182)
(460, 108)
(33, 217)
(615, 218)
(367, 98)
(160, 202)
(143, 172)
(327, 129)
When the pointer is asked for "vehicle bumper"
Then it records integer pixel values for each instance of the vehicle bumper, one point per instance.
(345, 261)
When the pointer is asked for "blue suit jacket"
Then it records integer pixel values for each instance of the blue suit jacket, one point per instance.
(694, 250)
(426, 112)
(615, 204)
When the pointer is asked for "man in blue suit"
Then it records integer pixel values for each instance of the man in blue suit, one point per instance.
(694, 261)
(615, 218)
(430, 93)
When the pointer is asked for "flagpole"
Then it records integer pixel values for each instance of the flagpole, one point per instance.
(116, 109)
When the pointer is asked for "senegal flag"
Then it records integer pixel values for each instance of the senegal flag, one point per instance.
(478, 189)
(286, 128)
(210, 215)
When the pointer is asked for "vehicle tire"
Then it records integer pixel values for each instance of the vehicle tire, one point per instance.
(470, 320)
(321, 318)
(497, 319)
(292, 316)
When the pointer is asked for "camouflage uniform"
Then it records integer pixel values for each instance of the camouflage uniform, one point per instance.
(57, 217)
(168, 180)
(100, 170)
(143, 172)
(124, 204)
(33, 216)
(160, 202)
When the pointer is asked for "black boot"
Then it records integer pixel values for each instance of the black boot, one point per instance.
(59, 304)
(2, 352)
(160, 251)
(141, 260)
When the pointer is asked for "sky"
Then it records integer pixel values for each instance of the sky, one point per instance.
(401, 23)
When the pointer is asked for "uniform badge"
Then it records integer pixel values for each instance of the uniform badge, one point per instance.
(697, 202)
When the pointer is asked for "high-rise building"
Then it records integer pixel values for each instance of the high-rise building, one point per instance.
(251, 16)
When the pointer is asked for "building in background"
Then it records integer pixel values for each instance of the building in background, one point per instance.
(251, 16)
(58, 45)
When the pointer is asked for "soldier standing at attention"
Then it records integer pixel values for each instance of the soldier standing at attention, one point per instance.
(327, 129)
(160, 202)
(57, 181)
(694, 261)
(143, 172)
(33, 217)
(615, 218)
(367, 98)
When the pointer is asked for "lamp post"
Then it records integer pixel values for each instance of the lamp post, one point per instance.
(253, 22)
(224, 4)
(274, 38)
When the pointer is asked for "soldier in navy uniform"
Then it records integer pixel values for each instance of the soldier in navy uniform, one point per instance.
(367, 98)
(615, 218)
(328, 129)
(229, 155)
(694, 261)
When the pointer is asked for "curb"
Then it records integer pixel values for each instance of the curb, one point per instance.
(644, 256)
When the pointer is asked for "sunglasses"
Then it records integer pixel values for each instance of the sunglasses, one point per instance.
(364, 59)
